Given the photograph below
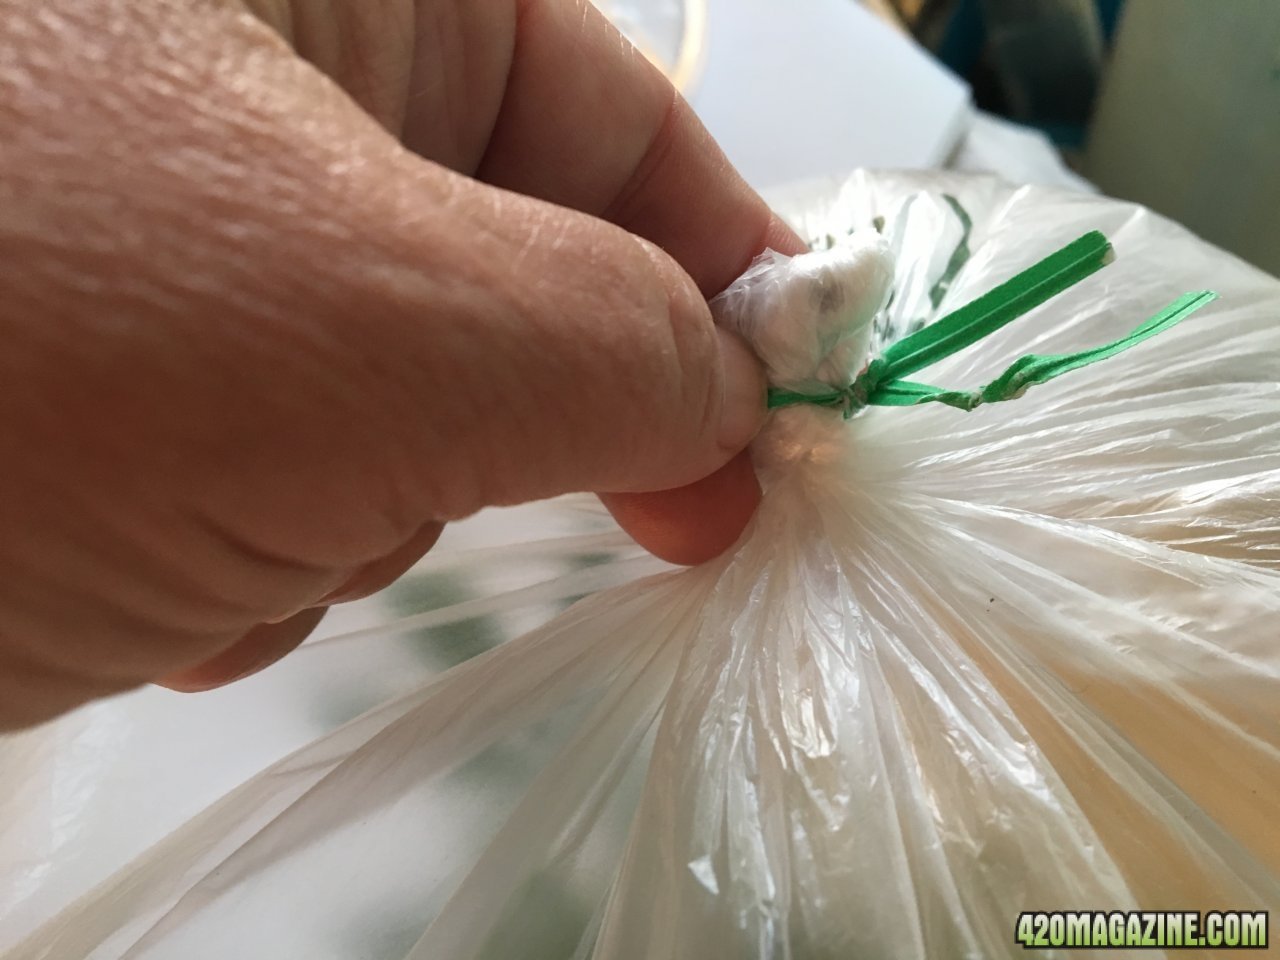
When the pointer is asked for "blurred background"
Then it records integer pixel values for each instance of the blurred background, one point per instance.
(1172, 103)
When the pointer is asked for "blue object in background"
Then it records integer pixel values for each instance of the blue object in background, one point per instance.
(1035, 61)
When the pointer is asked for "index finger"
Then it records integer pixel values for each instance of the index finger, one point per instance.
(587, 122)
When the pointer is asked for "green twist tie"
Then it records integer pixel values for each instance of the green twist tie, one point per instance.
(882, 383)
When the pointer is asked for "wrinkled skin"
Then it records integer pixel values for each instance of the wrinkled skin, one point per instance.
(288, 286)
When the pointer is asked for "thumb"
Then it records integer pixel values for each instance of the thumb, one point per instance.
(512, 349)
(271, 344)
(458, 344)
(293, 285)
(562, 354)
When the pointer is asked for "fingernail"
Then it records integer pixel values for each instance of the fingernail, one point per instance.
(744, 393)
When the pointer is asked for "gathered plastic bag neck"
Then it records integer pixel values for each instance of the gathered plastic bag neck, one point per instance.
(882, 382)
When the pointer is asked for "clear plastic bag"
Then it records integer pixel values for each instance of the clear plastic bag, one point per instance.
(962, 665)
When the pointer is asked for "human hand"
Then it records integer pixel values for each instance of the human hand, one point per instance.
(289, 285)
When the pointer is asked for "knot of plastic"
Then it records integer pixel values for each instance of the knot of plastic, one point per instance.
(864, 387)
(809, 318)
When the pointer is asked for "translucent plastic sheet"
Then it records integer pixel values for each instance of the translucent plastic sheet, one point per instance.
(961, 665)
